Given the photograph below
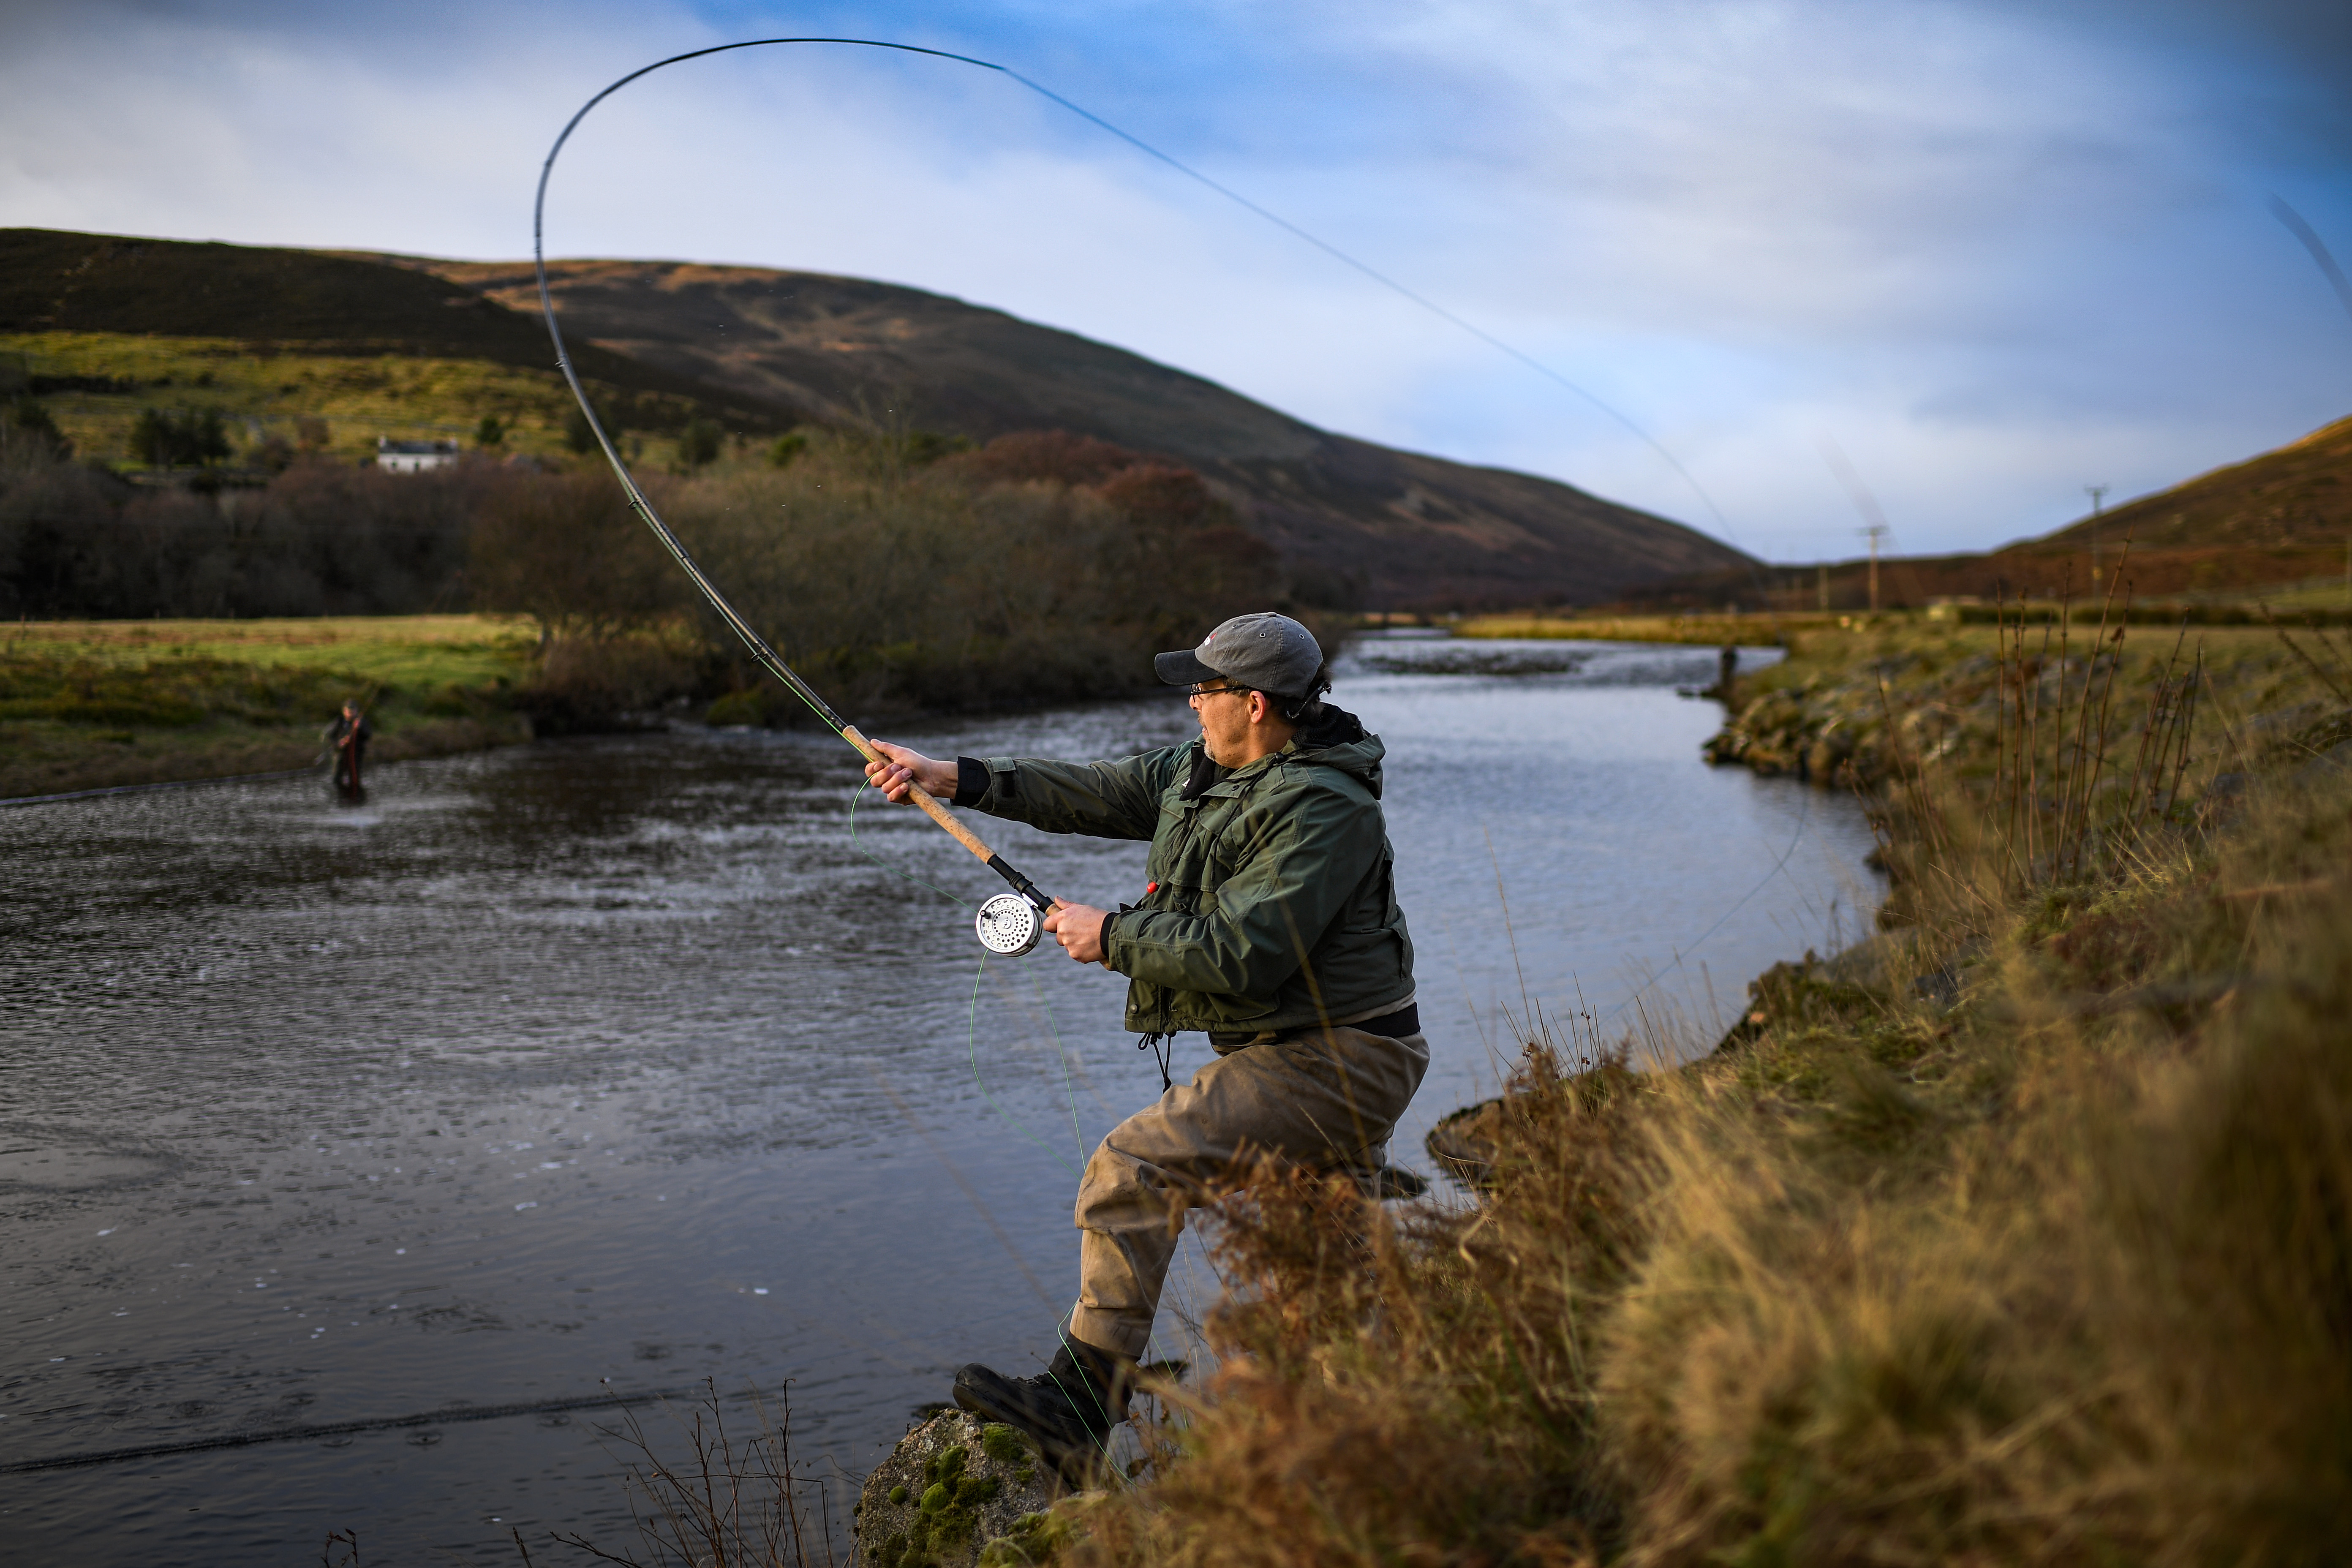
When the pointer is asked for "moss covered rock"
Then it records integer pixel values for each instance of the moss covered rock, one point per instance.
(953, 1487)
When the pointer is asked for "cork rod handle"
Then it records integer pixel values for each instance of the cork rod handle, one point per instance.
(931, 804)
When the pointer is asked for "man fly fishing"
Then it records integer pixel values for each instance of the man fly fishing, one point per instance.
(348, 737)
(1270, 921)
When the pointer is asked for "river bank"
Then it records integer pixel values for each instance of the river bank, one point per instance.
(1700, 630)
(2014, 1234)
(103, 704)
(1862, 706)
(91, 705)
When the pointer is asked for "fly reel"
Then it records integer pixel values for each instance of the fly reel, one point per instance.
(1008, 925)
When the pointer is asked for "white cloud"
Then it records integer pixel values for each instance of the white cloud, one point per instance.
(1998, 252)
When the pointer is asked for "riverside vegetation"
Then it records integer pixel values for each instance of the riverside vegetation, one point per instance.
(2017, 1233)
(895, 571)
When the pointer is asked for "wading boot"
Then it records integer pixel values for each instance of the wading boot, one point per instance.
(1068, 1410)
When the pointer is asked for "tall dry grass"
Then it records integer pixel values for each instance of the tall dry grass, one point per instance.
(2024, 1235)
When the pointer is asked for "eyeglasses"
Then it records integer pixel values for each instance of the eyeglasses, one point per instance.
(1204, 690)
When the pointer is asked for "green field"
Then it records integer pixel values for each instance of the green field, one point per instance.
(93, 704)
(1711, 631)
(2325, 600)
(337, 404)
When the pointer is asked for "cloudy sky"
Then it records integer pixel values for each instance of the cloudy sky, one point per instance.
(1991, 251)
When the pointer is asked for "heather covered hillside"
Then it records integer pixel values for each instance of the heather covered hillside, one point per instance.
(311, 352)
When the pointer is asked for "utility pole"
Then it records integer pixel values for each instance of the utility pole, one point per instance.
(2097, 494)
(1876, 531)
(1825, 576)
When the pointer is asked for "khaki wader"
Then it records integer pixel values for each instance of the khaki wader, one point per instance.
(1327, 1099)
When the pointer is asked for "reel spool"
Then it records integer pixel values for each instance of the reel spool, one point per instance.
(1008, 925)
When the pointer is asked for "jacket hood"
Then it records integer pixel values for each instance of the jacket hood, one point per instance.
(1337, 739)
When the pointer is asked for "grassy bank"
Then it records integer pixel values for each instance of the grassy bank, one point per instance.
(1711, 631)
(93, 704)
(1872, 706)
(2018, 1233)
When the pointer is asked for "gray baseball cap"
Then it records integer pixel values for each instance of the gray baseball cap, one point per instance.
(1272, 653)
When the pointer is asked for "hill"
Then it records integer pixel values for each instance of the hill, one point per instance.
(275, 302)
(2276, 520)
(2296, 497)
(759, 351)
(1365, 523)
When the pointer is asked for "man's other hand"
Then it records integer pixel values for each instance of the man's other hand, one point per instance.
(1078, 927)
(902, 770)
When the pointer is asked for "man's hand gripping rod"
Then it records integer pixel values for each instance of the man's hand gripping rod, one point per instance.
(957, 830)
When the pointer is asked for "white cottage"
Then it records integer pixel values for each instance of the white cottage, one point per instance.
(412, 457)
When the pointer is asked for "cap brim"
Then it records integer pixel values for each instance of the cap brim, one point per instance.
(1181, 668)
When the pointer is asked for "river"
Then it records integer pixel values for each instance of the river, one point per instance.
(612, 1065)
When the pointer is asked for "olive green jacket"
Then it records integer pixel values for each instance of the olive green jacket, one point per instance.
(1273, 902)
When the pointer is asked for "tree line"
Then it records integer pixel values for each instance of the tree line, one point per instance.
(887, 563)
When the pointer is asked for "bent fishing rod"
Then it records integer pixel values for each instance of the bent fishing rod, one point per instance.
(1355, 263)
(1009, 923)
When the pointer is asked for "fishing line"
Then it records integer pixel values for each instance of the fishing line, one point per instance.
(1341, 255)
(904, 876)
(1069, 1084)
(167, 784)
(1385, 281)
(972, 1039)
(1018, 1125)
(1017, 913)
(447, 1416)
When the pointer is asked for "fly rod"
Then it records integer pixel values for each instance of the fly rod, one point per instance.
(1009, 923)
(1011, 919)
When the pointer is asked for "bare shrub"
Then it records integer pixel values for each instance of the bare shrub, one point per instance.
(936, 592)
(1052, 456)
(320, 539)
(566, 550)
(612, 680)
(732, 1499)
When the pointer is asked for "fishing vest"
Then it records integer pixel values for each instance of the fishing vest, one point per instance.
(1270, 900)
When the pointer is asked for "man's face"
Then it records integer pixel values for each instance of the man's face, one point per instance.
(1224, 712)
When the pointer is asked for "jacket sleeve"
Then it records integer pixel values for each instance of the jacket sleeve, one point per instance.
(1105, 800)
(1305, 852)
